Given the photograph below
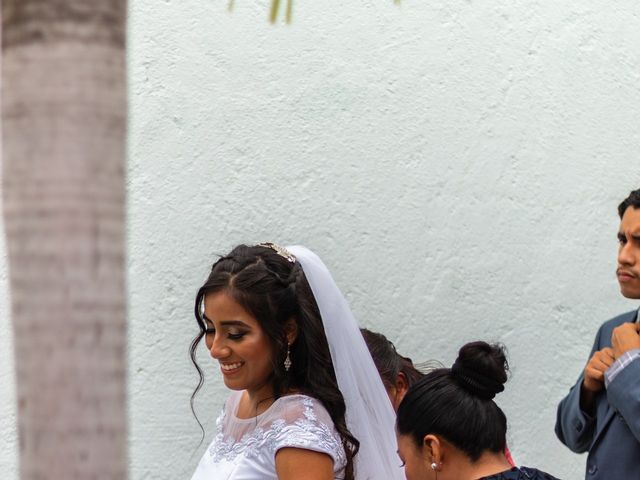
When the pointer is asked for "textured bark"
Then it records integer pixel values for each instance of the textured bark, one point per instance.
(64, 122)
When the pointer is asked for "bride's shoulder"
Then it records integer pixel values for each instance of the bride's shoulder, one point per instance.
(298, 406)
(302, 421)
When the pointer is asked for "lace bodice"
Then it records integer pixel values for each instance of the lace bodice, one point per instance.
(245, 449)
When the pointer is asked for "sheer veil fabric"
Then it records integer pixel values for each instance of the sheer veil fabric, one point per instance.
(369, 416)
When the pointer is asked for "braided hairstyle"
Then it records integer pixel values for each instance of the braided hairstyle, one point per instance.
(274, 290)
(457, 403)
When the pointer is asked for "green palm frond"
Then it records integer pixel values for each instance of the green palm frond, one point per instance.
(275, 9)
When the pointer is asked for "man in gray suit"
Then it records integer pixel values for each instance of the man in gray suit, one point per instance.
(601, 413)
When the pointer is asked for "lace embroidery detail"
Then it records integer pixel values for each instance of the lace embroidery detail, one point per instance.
(305, 432)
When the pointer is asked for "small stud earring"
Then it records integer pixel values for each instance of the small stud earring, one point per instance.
(434, 466)
(287, 360)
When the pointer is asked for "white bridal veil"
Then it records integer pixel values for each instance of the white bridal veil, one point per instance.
(370, 417)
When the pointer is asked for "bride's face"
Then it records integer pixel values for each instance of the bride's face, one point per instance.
(237, 341)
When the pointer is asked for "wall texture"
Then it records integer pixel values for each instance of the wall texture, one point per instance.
(457, 164)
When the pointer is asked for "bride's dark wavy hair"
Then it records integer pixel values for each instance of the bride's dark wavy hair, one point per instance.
(274, 290)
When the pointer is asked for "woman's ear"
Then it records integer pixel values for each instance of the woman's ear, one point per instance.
(291, 330)
(398, 390)
(402, 386)
(432, 449)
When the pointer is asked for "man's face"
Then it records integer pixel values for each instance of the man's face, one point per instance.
(628, 270)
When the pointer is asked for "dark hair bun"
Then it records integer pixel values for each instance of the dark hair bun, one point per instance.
(481, 369)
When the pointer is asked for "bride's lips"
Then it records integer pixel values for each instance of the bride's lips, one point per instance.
(230, 368)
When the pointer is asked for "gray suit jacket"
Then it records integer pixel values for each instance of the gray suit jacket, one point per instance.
(612, 437)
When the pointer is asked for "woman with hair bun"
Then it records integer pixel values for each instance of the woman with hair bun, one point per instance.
(449, 427)
(306, 401)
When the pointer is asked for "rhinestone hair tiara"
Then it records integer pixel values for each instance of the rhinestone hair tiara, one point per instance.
(283, 252)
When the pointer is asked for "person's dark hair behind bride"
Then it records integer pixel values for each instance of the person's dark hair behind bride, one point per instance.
(398, 373)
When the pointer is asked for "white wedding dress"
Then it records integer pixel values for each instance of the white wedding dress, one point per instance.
(245, 449)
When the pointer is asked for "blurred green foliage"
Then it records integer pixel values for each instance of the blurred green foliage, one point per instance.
(275, 9)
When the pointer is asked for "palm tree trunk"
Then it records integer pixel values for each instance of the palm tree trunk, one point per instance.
(64, 125)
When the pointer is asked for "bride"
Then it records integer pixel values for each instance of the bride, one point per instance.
(306, 400)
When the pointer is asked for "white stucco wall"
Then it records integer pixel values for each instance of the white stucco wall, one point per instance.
(457, 164)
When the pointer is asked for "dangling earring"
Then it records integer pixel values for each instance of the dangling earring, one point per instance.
(287, 360)
(434, 467)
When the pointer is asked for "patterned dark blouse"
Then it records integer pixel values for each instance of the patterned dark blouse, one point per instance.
(520, 473)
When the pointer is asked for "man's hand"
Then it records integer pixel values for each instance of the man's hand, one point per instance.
(624, 338)
(594, 371)
(594, 378)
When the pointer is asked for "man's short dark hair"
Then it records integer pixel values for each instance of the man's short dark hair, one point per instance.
(633, 200)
